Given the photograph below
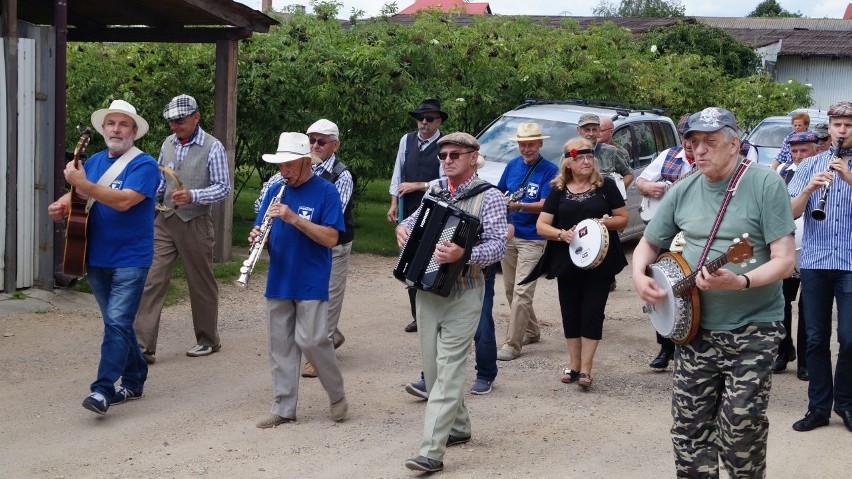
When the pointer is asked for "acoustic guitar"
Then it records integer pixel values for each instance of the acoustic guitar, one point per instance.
(74, 262)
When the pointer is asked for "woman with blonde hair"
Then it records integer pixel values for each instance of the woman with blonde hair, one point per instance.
(580, 192)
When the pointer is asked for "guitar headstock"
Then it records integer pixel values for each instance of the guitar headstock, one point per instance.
(741, 250)
(85, 137)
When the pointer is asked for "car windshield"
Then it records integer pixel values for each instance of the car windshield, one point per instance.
(498, 143)
(770, 134)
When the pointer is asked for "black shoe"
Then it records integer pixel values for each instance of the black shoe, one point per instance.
(845, 415)
(662, 360)
(424, 464)
(456, 440)
(802, 374)
(780, 364)
(411, 327)
(781, 361)
(811, 421)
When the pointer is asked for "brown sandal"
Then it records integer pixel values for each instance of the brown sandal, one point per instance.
(585, 380)
(569, 376)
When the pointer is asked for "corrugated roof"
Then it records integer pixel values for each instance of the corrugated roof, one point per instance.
(832, 24)
(799, 42)
(447, 5)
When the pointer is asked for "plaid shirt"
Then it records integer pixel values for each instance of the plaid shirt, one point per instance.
(217, 165)
(344, 183)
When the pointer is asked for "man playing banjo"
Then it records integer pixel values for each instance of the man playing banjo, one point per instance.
(722, 377)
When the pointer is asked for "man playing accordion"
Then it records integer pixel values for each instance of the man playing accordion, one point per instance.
(446, 325)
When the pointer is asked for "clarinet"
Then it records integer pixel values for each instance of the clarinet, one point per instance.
(260, 240)
(818, 213)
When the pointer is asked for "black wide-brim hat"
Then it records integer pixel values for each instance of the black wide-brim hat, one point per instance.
(430, 105)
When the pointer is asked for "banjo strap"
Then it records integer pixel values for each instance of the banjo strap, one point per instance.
(729, 194)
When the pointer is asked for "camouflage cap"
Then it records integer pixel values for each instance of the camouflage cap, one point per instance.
(589, 119)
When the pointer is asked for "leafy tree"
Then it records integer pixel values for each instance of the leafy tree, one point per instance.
(735, 57)
(771, 8)
(640, 8)
(367, 78)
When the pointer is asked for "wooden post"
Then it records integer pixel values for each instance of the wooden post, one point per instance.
(10, 39)
(225, 126)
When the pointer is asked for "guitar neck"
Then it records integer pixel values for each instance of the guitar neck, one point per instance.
(683, 286)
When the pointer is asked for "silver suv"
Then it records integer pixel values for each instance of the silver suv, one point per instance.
(643, 132)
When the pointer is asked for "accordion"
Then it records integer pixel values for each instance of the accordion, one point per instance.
(438, 221)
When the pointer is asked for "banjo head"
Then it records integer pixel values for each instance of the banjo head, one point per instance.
(671, 317)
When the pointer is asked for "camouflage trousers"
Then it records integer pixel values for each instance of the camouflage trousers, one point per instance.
(719, 398)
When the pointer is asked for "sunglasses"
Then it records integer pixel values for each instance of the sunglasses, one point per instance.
(455, 155)
(429, 119)
(320, 142)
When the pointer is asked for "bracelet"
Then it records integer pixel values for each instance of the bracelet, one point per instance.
(748, 281)
(559, 235)
(425, 186)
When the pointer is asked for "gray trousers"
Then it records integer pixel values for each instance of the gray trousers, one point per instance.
(337, 284)
(296, 328)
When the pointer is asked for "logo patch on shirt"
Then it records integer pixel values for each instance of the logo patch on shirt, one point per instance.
(306, 212)
(532, 190)
(116, 185)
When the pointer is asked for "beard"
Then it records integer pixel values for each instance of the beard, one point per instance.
(119, 145)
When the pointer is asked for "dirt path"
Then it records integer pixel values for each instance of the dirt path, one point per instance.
(197, 416)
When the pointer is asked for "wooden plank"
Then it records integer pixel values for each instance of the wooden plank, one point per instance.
(225, 127)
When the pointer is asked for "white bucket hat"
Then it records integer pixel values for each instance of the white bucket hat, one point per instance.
(119, 106)
(292, 146)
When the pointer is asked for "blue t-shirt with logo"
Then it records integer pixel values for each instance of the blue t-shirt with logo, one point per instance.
(537, 187)
(299, 267)
(123, 239)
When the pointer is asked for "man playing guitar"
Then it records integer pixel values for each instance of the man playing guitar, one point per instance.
(667, 168)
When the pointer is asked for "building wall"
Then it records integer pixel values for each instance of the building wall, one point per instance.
(829, 77)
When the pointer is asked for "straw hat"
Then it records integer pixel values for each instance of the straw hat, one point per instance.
(119, 106)
(529, 132)
(292, 146)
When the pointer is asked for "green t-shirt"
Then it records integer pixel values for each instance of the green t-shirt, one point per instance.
(760, 207)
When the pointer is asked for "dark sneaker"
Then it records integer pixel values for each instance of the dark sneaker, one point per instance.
(481, 387)
(418, 389)
(424, 464)
(811, 421)
(149, 356)
(122, 394)
(200, 350)
(457, 440)
(96, 402)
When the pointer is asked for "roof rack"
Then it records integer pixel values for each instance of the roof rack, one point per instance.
(623, 109)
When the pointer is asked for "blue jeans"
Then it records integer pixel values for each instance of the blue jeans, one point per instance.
(820, 288)
(118, 292)
(485, 341)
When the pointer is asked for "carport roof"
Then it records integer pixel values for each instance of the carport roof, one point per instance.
(148, 20)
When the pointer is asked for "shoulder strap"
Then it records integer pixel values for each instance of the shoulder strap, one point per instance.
(112, 173)
(729, 193)
(476, 190)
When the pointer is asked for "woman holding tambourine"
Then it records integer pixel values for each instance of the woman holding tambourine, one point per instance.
(580, 192)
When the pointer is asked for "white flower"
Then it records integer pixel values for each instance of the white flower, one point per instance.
(790, 81)
(435, 42)
(759, 96)
(460, 100)
(653, 48)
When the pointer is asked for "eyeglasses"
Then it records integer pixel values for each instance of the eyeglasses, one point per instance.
(455, 155)
(583, 157)
(320, 142)
(429, 119)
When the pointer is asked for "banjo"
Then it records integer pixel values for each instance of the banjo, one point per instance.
(590, 244)
(648, 206)
(677, 316)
